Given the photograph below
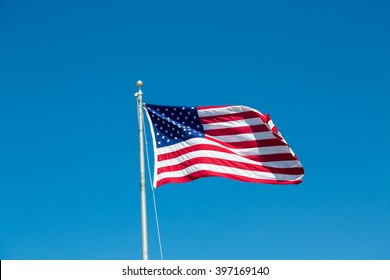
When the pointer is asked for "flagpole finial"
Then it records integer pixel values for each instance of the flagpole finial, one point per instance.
(139, 85)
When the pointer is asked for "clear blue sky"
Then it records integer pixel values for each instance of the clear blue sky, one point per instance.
(68, 130)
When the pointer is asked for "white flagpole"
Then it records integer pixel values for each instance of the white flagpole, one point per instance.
(144, 225)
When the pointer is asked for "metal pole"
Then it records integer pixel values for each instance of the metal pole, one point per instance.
(144, 225)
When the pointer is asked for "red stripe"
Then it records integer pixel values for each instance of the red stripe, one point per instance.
(208, 173)
(193, 148)
(249, 144)
(232, 117)
(230, 163)
(210, 147)
(200, 108)
(272, 157)
(237, 130)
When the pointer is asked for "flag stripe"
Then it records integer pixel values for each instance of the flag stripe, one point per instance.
(228, 117)
(204, 111)
(228, 171)
(287, 157)
(211, 108)
(273, 157)
(227, 155)
(205, 143)
(214, 159)
(209, 173)
(254, 144)
(236, 130)
(233, 123)
(246, 137)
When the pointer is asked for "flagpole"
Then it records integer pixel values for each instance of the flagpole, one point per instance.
(144, 225)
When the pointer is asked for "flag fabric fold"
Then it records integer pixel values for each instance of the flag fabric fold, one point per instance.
(235, 142)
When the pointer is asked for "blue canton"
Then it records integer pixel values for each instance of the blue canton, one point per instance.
(173, 125)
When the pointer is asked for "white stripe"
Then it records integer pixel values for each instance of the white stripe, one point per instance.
(205, 154)
(225, 111)
(283, 164)
(227, 170)
(266, 150)
(244, 152)
(230, 124)
(230, 157)
(245, 137)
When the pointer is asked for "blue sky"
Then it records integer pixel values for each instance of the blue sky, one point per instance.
(68, 129)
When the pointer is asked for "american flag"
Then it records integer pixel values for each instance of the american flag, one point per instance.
(235, 142)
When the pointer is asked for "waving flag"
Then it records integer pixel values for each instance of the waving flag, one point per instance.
(235, 142)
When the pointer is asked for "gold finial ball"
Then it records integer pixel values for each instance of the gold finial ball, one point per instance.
(139, 83)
